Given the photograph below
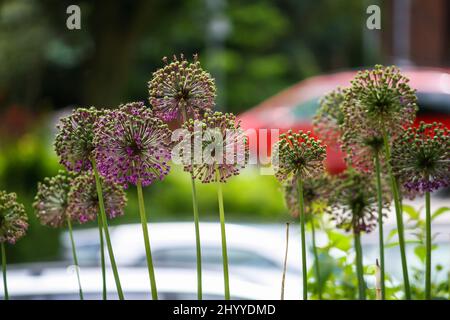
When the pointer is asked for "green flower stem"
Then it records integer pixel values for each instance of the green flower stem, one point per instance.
(75, 258)
(102, 257)
(398, 214)
(428, 246)
(197, 240)
(224, 238)
(283, 278)
(106, 230)
(148, 251)
(197, 226)
(316, 257)
(303, 239)
(5, 284)
(380, 223)
(359, 267)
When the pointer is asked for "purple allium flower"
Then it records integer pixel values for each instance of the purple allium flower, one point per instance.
(353, 202)
(181, 90)
(383, 98)
(13, 219)
(298, 155)
(360, 142)
(83, 203)
(132, 144)
(329, 117)
(74, 141)
(222, 147)
(51, 199)
(314, 195)
(421, 158)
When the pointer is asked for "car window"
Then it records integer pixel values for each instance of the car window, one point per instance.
(306, 110)
(211, 256)
(433, 103)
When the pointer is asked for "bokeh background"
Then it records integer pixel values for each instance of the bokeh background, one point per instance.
(254, 49)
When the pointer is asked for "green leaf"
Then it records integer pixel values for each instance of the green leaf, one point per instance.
(339, 241)
(391, 234)
(411, 212)
(420, 252)
(439, 212)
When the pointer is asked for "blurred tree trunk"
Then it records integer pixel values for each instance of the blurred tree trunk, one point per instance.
(116, 27)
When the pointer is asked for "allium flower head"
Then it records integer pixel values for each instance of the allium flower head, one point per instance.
(74, 141)
(132, 144)
(421, 158)
(383, 98)
(51, 200)
(329, 117)
(13, 219)
(353, 202)
(83, 200)
(360, 142)
(315, 191)
(216, 143)
(181, 90)
(299, 156)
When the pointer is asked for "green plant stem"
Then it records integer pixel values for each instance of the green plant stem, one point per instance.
(428, 246)
(303, 238)
(102, 258)
(106, 230)
(316, 258)
(359, 267)
(224, 238)
(398, 215)
(197, 240)
(5, 283)
(380, 223)
(196, 223)
(283, 278)
(148, 251)
(75, 258)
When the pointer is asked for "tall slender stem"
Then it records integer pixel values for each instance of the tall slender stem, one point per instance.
(75, 258)
(148, 251)
(316, 258)
(196, 223)
(197, 240)
(283, 278)
(398, 215)
(303, 238)
(224, 238)
(359, 267)
(428, 246)
(106, 230)
(102, 258)
(5, 283)
(380, 224)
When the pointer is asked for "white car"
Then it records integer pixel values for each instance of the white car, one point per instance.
(255, 254)
(172, 284)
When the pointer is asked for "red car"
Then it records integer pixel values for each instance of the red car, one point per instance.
(295, 107)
